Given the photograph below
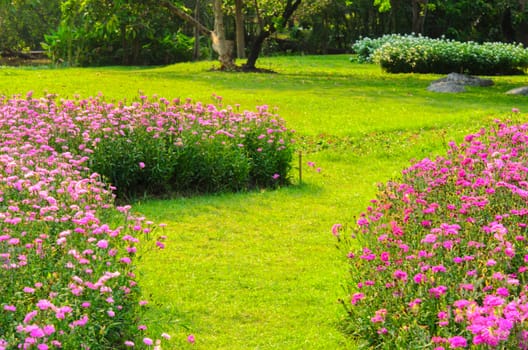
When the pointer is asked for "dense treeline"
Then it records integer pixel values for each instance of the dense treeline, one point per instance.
(102, 32)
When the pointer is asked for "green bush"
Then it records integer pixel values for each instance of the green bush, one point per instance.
(160, 147)
(418, 54)
(365, 47)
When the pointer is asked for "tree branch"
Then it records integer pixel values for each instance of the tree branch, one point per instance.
(180, 13)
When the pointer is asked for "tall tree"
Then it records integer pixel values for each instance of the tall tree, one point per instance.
(419, 11)
(276, 16)
(23, 24)
(240, 29)
(221, 45)
(271, 15)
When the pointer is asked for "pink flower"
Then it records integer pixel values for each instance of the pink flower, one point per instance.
(49, 329)
(80, 322)
(129, 343)
(438, 291)
(191, 339)
(400, 275)
(103, 244)
(457, 342)
(11, 308)
(336, 228)
(385, 256)
(44, 304)
(419, 278)
(165, 336)
(275, 176)
(357, 297)
(141, 165)
(148, 341)
(429, 238)
(29, 316)
(382, 330)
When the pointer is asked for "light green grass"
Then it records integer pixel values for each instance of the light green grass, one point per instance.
(260, 270)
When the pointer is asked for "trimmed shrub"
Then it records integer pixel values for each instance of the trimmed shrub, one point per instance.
(365, 47)
(418, 54)
(440, 258)
(161, 147)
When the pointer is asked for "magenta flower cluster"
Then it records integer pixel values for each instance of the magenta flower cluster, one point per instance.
(158, 146)
(440, 259)
(67, 252)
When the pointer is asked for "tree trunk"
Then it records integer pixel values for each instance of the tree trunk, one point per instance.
(254, 50)
(419, 11)
(265, 32)
(240, 37)
(223, 47)
(196, 48)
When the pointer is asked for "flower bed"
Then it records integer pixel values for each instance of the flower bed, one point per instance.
(439, 259)
(66, 251)
(164, 147)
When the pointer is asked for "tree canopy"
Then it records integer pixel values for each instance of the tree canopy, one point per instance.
(149, 32)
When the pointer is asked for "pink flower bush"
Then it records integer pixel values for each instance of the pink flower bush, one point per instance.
(66, 251)
(445, 250)
(157, 146)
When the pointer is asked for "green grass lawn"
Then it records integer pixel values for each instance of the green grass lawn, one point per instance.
(260, 270)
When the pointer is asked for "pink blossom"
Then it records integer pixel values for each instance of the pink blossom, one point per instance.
(457, 342)
(336, 228)
(103, 244)
(10, 308)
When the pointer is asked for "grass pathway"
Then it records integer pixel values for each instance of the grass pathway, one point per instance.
(258, 270)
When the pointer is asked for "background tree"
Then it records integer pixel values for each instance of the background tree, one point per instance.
(139, 32)
(23, 24)
(240, 29)
(105, 32)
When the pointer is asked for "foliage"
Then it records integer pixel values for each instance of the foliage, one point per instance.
(365, 47)
(418, 54)
(67, 254)
(164, 147)
(23, 24)
(440, 257)
(100, 32)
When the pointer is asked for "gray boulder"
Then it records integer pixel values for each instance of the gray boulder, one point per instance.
(518, 91)
(446, 86)
(455, 82)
